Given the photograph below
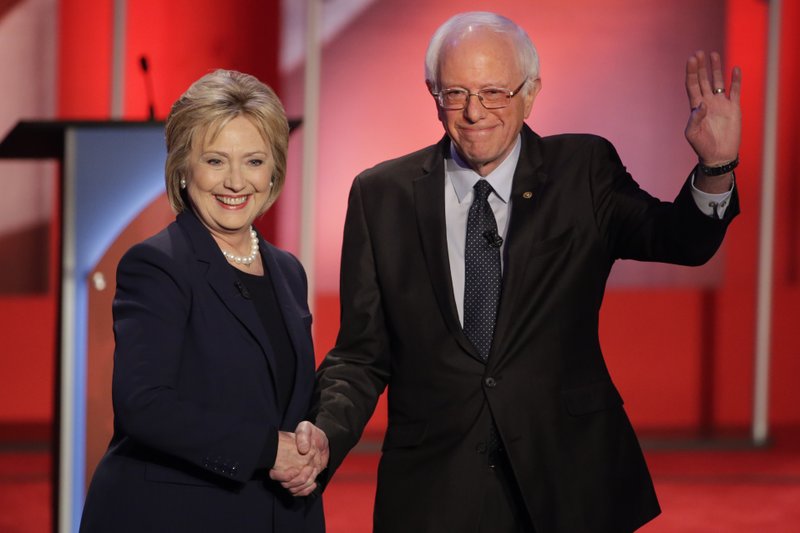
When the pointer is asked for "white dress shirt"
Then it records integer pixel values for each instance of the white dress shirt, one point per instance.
(459, 179)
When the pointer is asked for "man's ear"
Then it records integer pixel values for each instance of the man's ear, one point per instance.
(530, 95)
(431, 89)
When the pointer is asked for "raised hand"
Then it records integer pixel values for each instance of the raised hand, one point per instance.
(714, 129)
(301, 457)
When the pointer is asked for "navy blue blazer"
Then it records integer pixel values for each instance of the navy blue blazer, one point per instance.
(194, 393)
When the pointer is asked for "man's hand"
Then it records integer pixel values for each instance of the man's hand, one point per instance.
(301, 457)
(714, 129)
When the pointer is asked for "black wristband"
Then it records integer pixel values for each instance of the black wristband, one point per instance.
(719, 171)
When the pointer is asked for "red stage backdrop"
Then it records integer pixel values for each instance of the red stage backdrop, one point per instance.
(681, 351)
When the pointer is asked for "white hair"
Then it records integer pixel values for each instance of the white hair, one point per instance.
(463, 23)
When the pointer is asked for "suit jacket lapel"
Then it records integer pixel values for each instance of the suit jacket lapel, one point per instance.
(223, 281)
(303, 348)
(429, 205)
(529, 183)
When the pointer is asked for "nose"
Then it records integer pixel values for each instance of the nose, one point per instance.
(474, 110)
(235, 180)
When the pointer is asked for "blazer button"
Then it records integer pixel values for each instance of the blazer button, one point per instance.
(490, 382)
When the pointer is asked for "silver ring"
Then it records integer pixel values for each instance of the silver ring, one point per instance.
(719, 91)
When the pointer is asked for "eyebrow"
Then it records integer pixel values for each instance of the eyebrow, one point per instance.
(226, 154)
(484, 86)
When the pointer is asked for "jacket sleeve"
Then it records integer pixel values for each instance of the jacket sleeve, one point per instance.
(151, 312)
(638, 226)
(356, 371)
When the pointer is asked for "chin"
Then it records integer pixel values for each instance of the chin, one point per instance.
(480, 159)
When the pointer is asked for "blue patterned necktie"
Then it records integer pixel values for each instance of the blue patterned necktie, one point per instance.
(482, 275)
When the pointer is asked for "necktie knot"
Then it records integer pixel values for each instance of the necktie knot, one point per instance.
(482, 189)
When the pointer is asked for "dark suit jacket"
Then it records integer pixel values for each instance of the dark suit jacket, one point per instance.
(194, 393)
(574, 211)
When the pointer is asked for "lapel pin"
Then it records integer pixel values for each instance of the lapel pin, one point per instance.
(527, 195)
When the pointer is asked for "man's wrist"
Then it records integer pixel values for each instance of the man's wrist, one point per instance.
(718, 169)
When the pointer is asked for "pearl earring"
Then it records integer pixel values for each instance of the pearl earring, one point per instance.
(183, 183)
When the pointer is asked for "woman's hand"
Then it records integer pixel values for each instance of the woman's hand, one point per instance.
(301, 457)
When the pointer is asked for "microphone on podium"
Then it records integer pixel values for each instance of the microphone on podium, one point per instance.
(148, 86)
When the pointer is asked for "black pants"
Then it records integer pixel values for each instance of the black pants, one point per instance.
(503, 508)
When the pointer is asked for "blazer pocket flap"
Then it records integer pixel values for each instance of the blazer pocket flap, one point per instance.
(404, 435)
(592, 398)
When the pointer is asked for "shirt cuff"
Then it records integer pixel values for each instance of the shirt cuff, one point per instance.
(712, 205)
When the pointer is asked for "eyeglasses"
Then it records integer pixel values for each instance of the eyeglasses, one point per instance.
(490, 97)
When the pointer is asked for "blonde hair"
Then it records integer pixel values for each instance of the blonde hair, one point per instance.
(206, 107)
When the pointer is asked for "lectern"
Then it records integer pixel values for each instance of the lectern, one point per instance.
(110, 171)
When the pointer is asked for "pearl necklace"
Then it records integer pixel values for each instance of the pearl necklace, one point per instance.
(248, 259)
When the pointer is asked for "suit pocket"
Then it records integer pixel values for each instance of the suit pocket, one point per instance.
(165, 474)
(551, 244)
(404, 435)
(592, 398)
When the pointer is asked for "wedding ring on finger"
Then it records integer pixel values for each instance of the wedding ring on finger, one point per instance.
(719, 91)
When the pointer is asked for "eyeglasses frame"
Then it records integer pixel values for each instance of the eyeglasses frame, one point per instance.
(509, 95)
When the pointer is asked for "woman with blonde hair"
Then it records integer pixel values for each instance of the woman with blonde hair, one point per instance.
(214, 364)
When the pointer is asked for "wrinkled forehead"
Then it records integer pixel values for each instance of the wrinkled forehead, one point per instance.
(479, 52)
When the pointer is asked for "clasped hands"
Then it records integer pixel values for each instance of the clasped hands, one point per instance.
(301, 457)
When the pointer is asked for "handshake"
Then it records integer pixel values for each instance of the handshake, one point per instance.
(302, 455)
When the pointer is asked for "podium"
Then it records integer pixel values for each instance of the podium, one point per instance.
(110, 171)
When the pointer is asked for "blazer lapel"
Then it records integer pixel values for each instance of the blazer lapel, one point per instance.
(529, 183)
(303, 348)
(429, 205)
(228, 288)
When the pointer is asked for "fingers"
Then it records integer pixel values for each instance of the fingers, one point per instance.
(303, 437)
(303, 489)
(736, 85)
(306, 475)
(298, 482)
(307, 491)
(283, 475)
(693, 82)
(718, 86)
(702, 73)
(700, 85)
(301, 457)
(310, 438)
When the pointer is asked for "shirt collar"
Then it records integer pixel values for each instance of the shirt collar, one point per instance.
(464, 178)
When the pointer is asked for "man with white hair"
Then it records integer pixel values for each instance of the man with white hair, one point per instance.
(472, 277)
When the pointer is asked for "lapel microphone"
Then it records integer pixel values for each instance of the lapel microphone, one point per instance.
(242, 290)
(494, 240)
